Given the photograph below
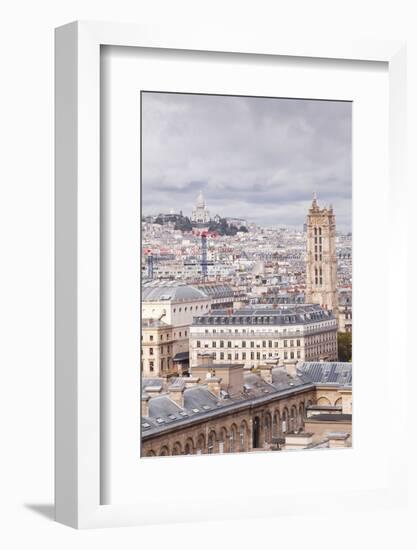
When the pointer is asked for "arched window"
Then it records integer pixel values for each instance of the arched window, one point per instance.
(164, 451)
(232, 441)
(301, 415)
(189, 447)
(151, 453)
(211, 442)
(277, 424)
(223, 441)
(293, 420)
(176, 450)
(285, 420)
(243, 433)
(268, 427)
(201, 443)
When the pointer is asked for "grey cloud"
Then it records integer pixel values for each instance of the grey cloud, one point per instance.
(258, 158)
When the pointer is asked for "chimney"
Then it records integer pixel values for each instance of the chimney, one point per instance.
(213, 385)
(191, 381)
(266, 372)
(176, 393)
(338, 440)
(291, 367)
(145, 405)
(205, 359)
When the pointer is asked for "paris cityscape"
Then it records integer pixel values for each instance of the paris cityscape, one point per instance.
(246, 303)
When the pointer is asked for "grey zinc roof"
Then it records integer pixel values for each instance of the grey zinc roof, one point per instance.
(327, 373)
(173, 293)
(200, 403)
(161, 406)
(280, 315)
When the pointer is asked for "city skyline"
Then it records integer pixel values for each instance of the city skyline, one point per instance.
(245, 152)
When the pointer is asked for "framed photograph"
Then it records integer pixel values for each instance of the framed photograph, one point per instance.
(221, 204)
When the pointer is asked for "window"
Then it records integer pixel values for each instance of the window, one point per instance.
(151, 363)
(180, 334)
(198, 344)
(252, 355)
(229, 356)
(213, 344)
(243, 355)
(298, 354)
(264, 343)
(221, 343)
(236, 355)
(162, 364)
(252, 344)
(243, 344)
(285, 343)
(292, 355)
(258, 355)
(285, 355)
(229, 344)
(298, 343)
(222, 355)
(150, 351)
(151, 338)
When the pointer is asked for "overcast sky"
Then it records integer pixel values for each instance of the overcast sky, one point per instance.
(260, 159)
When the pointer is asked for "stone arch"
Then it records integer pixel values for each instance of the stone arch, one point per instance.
(301, 413)
(338, 402)
(201, 444)
(285, 418)
(276, 427)
(293, 418)
(233, 438)
(256, 432)
(189, 446)
(151, 453)
(268, 428)
(211, 442)
(176, 449)
(164, 451)
(223, 440)
(323, 400)
(244, 436)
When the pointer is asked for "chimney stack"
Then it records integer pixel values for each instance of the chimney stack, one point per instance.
(145, 405)
(338, 440)
(205, 359)
(265, 370)
(291, 367)
(191, 381)
(176, 393)
(213, 385)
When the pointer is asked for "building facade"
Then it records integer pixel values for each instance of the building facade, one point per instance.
(321, 257)
(226, 410)
(254, 334)
(167, 313)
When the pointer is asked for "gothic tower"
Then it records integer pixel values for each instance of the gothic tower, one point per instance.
(321, 257)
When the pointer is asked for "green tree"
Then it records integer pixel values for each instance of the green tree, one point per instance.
(344, 346)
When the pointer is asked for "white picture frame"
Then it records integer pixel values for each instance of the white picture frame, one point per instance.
(78, 406)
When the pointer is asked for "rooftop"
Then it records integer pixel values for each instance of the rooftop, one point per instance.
(201, 404)
(300, 314)
(154, 291)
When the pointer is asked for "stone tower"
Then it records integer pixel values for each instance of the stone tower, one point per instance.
(321, 257)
